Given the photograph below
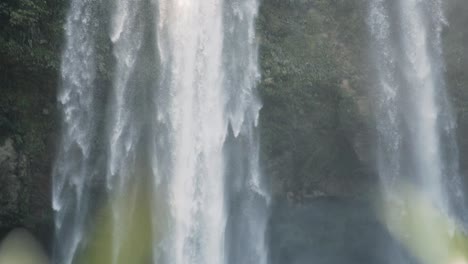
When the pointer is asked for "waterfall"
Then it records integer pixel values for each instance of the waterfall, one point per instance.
(416, 129)
(190, 41)
(179, 142)
(74, 165)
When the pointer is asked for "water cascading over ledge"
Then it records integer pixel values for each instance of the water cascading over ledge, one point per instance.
(417, 151)
(162, 166)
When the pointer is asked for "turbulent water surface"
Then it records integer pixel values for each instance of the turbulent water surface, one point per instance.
(174, 134)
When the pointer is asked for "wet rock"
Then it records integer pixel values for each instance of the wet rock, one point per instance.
(10, 184)
(14, 190)
(355, 121)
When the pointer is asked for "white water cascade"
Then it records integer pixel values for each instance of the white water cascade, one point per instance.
(415, 126)
(171, 138)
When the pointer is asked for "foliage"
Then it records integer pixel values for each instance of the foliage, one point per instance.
(30, 41)
(306, 52)
(31, 33)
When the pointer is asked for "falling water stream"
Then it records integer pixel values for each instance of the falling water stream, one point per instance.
(175, 134)
(159, 161)
(416, 141)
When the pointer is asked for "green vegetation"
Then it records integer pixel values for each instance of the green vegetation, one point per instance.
(30, 33)
(30, 36)
(310, 60)
(30, 44)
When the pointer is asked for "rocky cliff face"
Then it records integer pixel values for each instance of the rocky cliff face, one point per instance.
(13, 172)
(316, 121)
(27, 142)
(24, 201)
(455, 37)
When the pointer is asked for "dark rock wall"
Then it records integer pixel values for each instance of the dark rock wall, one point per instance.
(30, 41)
(316, 122)
(455, 37)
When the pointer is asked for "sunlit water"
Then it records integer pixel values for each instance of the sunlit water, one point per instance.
(179, 131)
(416, 140)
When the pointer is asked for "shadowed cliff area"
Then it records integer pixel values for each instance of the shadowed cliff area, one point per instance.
(331, 230)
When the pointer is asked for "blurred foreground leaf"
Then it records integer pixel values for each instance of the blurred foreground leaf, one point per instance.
(20, 247)
(124, 231)
(432, 236)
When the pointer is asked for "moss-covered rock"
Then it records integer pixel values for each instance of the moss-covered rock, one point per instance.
(31, 37)
(314, 122)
